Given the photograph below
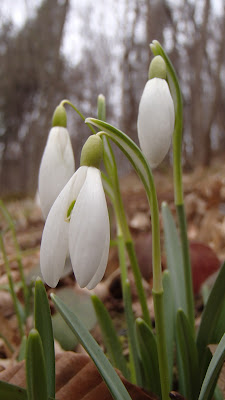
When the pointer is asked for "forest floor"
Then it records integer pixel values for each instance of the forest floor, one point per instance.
(204, 193)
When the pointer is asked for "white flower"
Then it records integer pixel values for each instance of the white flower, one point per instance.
(85, 233)
(57, 167)
(155, 120)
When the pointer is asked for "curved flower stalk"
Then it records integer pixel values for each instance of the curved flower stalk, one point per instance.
(78, 222)
(158, 50)
(57, 164)
(156, 117)
(140, 164)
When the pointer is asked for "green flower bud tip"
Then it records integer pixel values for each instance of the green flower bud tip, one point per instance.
(92, 152)
(101, 107)
(59, 117)
(157, 68)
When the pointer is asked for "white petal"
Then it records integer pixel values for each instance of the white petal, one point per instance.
(89, 231)
(57, 167)
(155, 120)
(102, 266)
(54, 244)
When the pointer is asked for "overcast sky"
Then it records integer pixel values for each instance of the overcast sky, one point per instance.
(20, 10)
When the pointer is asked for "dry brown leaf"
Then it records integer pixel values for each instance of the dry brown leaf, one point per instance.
(77, 378)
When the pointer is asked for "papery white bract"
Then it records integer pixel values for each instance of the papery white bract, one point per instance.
(57, 167)
(85, 233)
(155, 120)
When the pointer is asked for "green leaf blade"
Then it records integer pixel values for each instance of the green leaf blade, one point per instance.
(188, 356)
(170, 318)
(174, 258)
(12, 392)
(43, 324)
(35, 368)
(213, 371)
(111, 340)
(210, 319)
(107, 372)
(149, 356)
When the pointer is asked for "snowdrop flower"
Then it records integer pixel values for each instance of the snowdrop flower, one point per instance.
(78, 222)
(57, 164)
(156, 115)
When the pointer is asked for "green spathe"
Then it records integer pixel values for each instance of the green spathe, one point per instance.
(157, 68)
(59, 117)
(92, 152)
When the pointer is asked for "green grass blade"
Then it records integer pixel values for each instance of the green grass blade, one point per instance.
(213, 371)
(12, 392)
(110, 338)
(149, 357)
(106, 370)
(188, 356)
(43, 324)
(35, 368)
(210, 319)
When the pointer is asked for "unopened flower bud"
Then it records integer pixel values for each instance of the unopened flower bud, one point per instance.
(59, 117)
(92, 152)
(157, 68)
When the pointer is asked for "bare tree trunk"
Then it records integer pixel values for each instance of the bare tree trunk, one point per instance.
(201, 142)
(35, 145)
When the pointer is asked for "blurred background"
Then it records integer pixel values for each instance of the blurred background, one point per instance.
(56, 49)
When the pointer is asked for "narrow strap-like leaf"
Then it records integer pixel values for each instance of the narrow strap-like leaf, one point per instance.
(43, 324)
(132, 338)
(213, 371)
(111, 340)
(210, 319)
(174, 258)
(132, 151)
(35, 368)
(188, 356)
(149, 357)
(22, 352)
(169, 320)
(12, 392)
(106, 370)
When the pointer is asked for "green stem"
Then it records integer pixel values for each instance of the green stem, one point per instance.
(65, 101)
(177, 172)
(122, 221)
(134, 154)
(18, 255)
(111, 167)
(161, 343)
(138, 281)
(158, 293)
(134, 360)
(187, 269)
(11, 287)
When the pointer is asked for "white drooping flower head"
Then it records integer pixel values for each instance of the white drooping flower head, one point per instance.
(156, 115)
(57, 164)
(78, 222)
